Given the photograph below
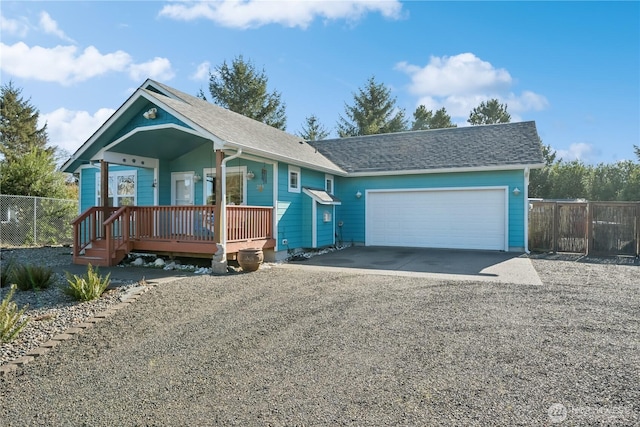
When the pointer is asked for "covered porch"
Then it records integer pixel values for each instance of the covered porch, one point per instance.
(153, 179)
(103, 236)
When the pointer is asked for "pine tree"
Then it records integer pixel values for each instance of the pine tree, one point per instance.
(442, 120)
(489, 112)
(373, 112)
(425, 119)
(312, 130)
(18, 124)
(28, 166)
(241, 88)
(422, 118)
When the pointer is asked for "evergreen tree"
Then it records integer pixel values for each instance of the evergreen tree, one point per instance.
(28, 166)
(425, 119)
(422, 118)
(312, 130)
(201, 95)
(373, 112)
(489, 112)
(18, 124)
(441, 120)
(241, 88)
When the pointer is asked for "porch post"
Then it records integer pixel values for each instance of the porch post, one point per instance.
(217, 219)
(104, 193)
(219, 259)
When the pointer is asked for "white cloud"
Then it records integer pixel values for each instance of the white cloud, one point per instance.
(62, 64)
(459, 74)
(14, 27)
(579, 151)
(292, 13)
(461, 82)
(67, 65)
(69, 129)
(158, 68)
(202, 72)
(49, 26)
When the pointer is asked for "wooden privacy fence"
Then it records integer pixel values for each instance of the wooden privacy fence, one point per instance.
(592, 228)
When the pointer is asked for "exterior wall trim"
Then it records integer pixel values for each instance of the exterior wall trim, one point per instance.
(143, 129)
(314, 223)
(445, 170)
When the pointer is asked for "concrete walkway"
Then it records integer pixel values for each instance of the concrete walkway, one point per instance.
(446, 264)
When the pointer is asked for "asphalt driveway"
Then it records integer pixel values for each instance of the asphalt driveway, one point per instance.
(298, 346)
(491, 266)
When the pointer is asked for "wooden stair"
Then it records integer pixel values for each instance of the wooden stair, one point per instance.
(98, 255)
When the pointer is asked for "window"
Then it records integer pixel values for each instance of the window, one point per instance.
(122, 188)
(294, 179)
(328, 184)
(236, 188)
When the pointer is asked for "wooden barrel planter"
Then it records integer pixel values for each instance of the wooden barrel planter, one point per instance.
(250, 259)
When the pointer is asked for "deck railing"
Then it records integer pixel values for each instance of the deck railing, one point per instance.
(172, 223)
(88, 226)
(128, 226)
(248, 223)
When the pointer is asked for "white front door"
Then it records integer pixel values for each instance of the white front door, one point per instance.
(182, 188)
(182, 194)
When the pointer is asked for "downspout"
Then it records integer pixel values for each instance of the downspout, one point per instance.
(223, 168)
(526, 210)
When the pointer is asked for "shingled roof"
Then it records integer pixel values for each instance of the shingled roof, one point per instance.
(242, 132)
(472, 147)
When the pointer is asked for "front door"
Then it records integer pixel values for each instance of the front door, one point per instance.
(182, 191)
(182, 194)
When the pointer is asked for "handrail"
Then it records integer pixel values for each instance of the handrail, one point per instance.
(87, 227)
(120, 220)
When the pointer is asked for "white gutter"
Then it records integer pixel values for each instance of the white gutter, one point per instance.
(445, 170)
(223, 169)
(526, 211)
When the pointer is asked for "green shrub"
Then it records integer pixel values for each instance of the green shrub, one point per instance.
(5, 272)
(10, 323)
(31, 277)
(87, 287)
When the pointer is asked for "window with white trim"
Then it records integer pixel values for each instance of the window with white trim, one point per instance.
(328, 184)
(294, 179)
(236, 185)
(122, 188)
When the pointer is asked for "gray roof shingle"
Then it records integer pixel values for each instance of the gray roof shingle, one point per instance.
(508, 144)
(240, 131)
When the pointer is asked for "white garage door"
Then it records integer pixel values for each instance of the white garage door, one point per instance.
(442, 218)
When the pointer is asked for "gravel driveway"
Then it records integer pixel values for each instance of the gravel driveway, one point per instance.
(293, 347)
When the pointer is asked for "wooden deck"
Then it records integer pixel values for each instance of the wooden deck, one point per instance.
(104, 236)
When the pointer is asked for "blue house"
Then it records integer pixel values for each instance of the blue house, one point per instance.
(171, 173)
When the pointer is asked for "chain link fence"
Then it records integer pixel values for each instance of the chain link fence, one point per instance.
(36, 221)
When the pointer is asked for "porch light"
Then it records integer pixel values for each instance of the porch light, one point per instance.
(151, 114)
(250, 175)
(516, 191)
(358, 194)
(155, 183)
(197, 178)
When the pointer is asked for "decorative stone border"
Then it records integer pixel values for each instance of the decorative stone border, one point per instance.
(127, 298)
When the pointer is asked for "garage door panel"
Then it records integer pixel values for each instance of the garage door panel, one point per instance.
(461, 219)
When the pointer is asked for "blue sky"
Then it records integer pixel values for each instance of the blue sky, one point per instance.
(573, 67)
